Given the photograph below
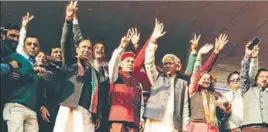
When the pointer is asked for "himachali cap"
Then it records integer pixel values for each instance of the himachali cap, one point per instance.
(127, 54)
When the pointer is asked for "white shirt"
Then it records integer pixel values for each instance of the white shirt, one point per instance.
(168, 114)
(21, 44)
(236, 117)
(152, 74)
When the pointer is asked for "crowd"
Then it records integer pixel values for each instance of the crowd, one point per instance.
(71, 89)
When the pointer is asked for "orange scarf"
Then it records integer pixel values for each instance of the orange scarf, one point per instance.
(209, 106)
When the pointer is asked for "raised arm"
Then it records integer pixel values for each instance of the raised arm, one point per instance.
(113, 66)
(67, 34)
(139, 59)
(220, 42)
(76, 27)
(150, 67)
(135, 40)
(254, 66)
(190, 64)
(23, 31)
(193, 87)
(244, 73)
(192, 56)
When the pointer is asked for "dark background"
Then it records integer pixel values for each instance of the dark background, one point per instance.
(107, 22)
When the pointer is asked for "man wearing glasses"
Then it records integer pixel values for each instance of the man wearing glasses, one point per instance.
(233, 122)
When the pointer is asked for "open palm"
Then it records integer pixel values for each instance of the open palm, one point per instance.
(158, 30)
(205, 49)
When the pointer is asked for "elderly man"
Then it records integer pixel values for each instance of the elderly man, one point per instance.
(168, 106)
(125, 77)
(125, 91)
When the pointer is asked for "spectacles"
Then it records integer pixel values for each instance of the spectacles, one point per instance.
(235, 80)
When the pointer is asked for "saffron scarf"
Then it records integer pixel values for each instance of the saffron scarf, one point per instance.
(209, 106)
(95, 92)
(93, 106)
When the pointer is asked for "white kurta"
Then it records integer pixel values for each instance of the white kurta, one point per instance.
(166, 124)
(76, 120)
(235, 120)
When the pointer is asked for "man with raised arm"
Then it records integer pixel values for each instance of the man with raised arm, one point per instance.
(125, 90)
(79, 104)
(255, 94)
(167, 107)
(234, 95)
(20, 109)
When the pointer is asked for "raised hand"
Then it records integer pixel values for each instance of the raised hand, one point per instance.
(70, 10)
(26, 19)
(136, 37)
(126, 39)
(124, 42)
(251, 52)
(158, 31)
(255, 52)
(75, 7)
(194, 43)
(220, 43)
(205, 49)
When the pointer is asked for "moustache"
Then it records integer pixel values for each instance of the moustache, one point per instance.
(265, 82)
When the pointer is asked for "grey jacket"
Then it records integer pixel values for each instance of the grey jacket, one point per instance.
(157, 101)
(254, 97)
(72, 86)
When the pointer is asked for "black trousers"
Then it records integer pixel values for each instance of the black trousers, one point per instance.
(48, 126)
